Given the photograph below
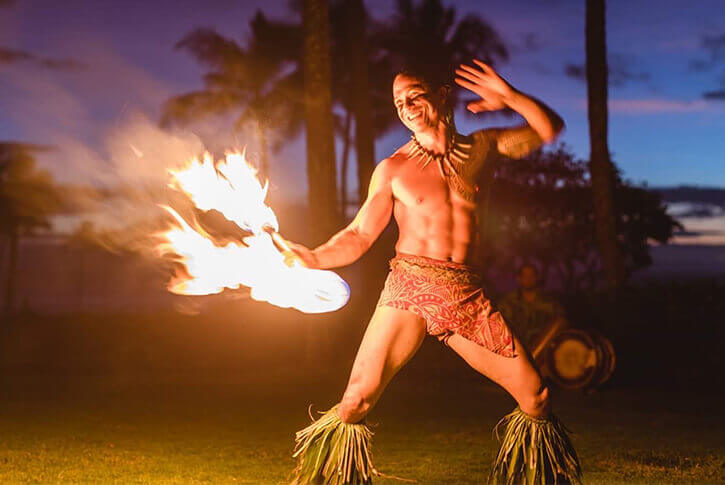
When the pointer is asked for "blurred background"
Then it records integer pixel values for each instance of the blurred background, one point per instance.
(622, 219)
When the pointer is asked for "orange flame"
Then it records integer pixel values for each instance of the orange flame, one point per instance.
(232, 188)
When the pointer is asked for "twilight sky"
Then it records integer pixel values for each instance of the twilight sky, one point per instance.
(83, 74)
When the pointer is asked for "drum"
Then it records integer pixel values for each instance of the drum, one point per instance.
(579, 359)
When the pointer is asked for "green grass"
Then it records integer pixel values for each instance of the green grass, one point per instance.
(182, 429)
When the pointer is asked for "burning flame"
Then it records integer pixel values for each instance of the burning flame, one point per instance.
(232, 188)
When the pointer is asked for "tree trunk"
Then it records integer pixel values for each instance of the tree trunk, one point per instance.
(11, 281)
(364, 137)
(263, 151)
(602, 172)
(344, 163)
(318, 118)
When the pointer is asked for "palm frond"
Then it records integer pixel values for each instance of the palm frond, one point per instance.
(190, 106)
(474, 37)
(212, 49)
(275, 39)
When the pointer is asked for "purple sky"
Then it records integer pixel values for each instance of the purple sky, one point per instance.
(663, 130)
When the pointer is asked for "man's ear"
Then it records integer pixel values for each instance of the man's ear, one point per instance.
(444, 92)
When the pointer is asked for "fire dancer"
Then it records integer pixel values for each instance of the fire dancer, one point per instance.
(430, 185)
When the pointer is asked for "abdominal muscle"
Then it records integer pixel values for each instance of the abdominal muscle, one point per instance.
(444, 231)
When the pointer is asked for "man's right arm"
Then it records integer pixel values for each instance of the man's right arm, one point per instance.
(348, 245)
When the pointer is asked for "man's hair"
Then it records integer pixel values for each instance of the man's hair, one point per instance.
(433, 78)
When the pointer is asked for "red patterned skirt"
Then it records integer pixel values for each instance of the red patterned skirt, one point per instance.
(449, 298)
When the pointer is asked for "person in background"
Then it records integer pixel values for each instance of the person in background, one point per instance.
(530, 312)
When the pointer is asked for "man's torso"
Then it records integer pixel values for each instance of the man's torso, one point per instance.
(437, 219)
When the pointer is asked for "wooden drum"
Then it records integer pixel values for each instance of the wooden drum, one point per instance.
(578, 359)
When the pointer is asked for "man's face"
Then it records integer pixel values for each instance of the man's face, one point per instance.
(528, 279)
(417, 107)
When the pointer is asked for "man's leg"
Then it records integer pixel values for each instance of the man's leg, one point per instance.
(391, 339)
(535, 447)
(515, 374)
(336, 447)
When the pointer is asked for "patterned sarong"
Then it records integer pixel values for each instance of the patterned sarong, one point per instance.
(449, 298)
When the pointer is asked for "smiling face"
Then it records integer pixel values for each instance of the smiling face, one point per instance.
(418, 107)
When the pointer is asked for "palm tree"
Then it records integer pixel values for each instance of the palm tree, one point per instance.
(602, 170)
(251, 82)
(321, 169)
(350, 83)
(359, 91)
(28, 198)
(356, 68)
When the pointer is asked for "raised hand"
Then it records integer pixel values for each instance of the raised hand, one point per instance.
(486, 83)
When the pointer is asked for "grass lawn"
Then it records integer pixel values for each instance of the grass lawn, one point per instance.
(216, 398)
(235, 429)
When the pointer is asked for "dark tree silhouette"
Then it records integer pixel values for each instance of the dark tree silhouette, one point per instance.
(28, 198)
(321, 167)
(602, 170)
(543, 212)
(253, 82)
(359, 92)
(351, 88)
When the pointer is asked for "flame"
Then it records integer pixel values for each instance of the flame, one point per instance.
(232, 188)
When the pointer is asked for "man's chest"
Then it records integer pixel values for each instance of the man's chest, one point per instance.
(440, 181)
(419, 187)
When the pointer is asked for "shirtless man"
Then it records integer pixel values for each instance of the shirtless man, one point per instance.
(429, 185)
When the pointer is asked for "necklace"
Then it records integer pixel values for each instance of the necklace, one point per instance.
(426, 155)
(452, 164)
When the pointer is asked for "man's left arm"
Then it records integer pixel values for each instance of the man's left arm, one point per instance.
(542, 125)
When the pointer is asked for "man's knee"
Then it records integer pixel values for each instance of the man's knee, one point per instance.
(536, 403)
(353, 406)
